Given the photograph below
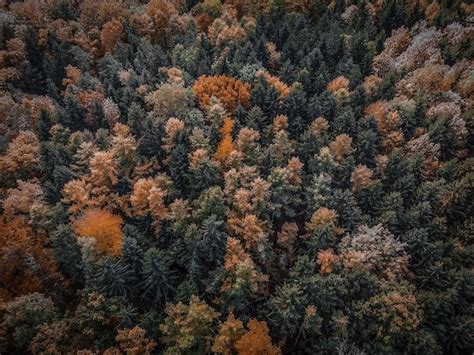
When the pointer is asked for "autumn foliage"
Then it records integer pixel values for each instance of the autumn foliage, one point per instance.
(28, 264)
(256, 340)
(229, 91)
(236, 177)
(226, 144)
(103, 227)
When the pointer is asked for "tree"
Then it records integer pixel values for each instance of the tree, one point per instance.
(68, 253)
(341, 146)
(103, 227)
(159, 17)
(96, 318)
(322, 218)
(250, 229)
(339, 86)
(77, 193)
(179, 168)
(51, 338)
(208, 252)
(256, 340)
(225, 145)
(229, 91)
(21, 157)
(288, 306)
(188, 327)
(28, 263)
(375, 249)
(361, 178)
(281, 87)
(148, 198)
(123, 146)
(113, 278)
(103, 170)
(157, 279)
(230, 332)
(28, 195)
(326, 261)
(170, 99)
(226, 29)
(284, 193)
(266, 97)
(395, 311)
(287, 237)
(133, 341)
(242, 283)
(23, 314)
(110, 35)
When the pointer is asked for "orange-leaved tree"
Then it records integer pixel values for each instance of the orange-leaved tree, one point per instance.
(27, 260)
(229, 332)
(226, 145)
(229, 91)
(256, 340)
(133, 341)
(102, 226)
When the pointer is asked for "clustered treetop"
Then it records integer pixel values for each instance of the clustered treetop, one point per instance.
(236, 177)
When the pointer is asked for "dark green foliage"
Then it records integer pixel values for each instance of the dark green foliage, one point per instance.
(157, 280)
(208, 252)
(310, 170)
(21, 316)
(113, 278)
(68, 253)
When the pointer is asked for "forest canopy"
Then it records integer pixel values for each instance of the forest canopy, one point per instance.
(236, 177)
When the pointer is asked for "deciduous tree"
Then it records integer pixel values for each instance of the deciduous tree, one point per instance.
(103, 227)
(256, 340)
(229, 91)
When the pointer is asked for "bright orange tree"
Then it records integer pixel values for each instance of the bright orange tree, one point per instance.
(226, 145)
(256, 340)
(229, 91)
(102, 226)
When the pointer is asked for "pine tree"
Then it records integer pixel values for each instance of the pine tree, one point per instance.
(208, 252)
(113, 278)
(157, 279)
(67, 252)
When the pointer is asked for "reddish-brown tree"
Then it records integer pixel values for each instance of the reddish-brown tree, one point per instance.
(229, 91)
(103, 227)
(256, 340)
(226, 144)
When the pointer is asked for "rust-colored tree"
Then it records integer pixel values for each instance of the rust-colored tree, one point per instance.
(341, 146)
(132, 341)
(339, 86)
(111, 34)
(103, 227)
(274, 81)
(229, 91)
(361, 178)
(26, 257)
(229, 332)
(21, 157)
(256, 340)
(322, 218)
(250, 228)
(226, 144)
(326, 260)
